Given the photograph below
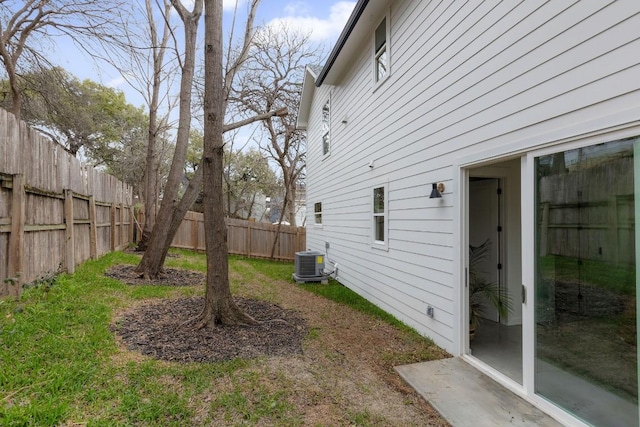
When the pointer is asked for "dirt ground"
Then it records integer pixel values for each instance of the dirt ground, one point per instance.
(335, 361)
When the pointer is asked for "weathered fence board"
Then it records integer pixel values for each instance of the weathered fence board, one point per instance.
(55, 212)
(601, 229)
(248, 238)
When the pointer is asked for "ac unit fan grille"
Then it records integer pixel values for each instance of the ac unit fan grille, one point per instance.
(309, 264)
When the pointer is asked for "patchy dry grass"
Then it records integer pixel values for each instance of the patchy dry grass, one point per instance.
(61, 365)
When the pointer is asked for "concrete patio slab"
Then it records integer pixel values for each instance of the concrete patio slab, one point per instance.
(466, 397)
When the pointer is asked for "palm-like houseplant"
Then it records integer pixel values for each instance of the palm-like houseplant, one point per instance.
(483, 292)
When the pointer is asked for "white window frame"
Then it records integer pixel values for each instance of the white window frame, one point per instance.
(384, 50)
(317, 214)
(326, 132)
(375, 243)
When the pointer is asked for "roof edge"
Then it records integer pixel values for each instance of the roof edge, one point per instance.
(304, 108)
(346, 32)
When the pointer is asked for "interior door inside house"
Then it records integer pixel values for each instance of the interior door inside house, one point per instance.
(494, 221)
(485, 238)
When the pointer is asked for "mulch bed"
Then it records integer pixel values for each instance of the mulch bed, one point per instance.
(161, 331)
(344, 370)
(167, 277)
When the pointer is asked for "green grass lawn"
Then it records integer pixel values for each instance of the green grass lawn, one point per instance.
(60, 364)
(57, 356)
(616, 278)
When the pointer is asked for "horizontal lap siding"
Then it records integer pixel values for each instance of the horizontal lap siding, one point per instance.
(465, 77)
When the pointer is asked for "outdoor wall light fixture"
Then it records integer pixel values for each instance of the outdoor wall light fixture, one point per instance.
(436, 190)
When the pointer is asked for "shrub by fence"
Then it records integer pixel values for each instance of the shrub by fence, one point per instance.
(55, 212)
(251, 239)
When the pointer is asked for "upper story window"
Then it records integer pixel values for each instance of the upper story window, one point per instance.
(317, 211)
(381, 51)
(326, 115)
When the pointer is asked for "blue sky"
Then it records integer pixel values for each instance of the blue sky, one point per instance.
(324, 19)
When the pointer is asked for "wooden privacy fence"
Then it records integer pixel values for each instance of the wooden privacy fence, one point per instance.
(54, 211)
(589, 213)
(248, 238)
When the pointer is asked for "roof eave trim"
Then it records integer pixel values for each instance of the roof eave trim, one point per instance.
(344, 36)
(306, 97)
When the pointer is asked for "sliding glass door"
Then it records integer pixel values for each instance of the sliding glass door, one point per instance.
(586, 358)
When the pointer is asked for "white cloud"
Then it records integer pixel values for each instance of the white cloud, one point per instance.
(321, 30)
(116, 83)
(296, 8)
(229, 5)
(188, 4)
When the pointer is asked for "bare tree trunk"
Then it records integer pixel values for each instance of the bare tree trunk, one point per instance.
(16, 95)
(9, 60)
(291, 204)
(172, 211)
(284, 207)
(219, 305)
(188, 199)
(159, 243)
(151, 173)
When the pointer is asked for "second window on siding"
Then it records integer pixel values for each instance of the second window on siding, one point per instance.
(317, 211)
(379, 215)
(326, 115)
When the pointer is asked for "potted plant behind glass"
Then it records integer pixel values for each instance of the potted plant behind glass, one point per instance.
(483, 292)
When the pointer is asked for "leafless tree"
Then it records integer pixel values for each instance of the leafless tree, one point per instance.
(272, 78)
(172, 209)
(155, 250)
(146, 54)
(220, 307)
(158, 77)
(26, 23)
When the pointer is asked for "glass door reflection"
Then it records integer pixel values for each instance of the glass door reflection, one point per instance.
(585, 314)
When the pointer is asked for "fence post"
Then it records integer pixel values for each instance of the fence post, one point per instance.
(544, 229)
(122, 232)
(112, 219)
(132, 222)
(613, 238)
(70, 258)
(194, 231)
(301, 240)
(248, 239)
(93, 229)
(16, 238)
(140, 219)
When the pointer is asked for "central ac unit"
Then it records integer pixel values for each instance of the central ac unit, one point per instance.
(309, 267)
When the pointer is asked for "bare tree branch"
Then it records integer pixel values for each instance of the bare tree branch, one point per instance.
(33, 20)
(277, 113)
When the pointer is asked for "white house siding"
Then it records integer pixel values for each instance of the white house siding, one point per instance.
(466, 76)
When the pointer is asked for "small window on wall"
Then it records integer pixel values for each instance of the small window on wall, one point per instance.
(381, 52)
(380, 220)
(326, 115)
(317, 211)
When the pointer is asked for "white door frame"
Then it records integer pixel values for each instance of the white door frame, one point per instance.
(484, 167)
(528, 253)
(461, 168)
(526, 390)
